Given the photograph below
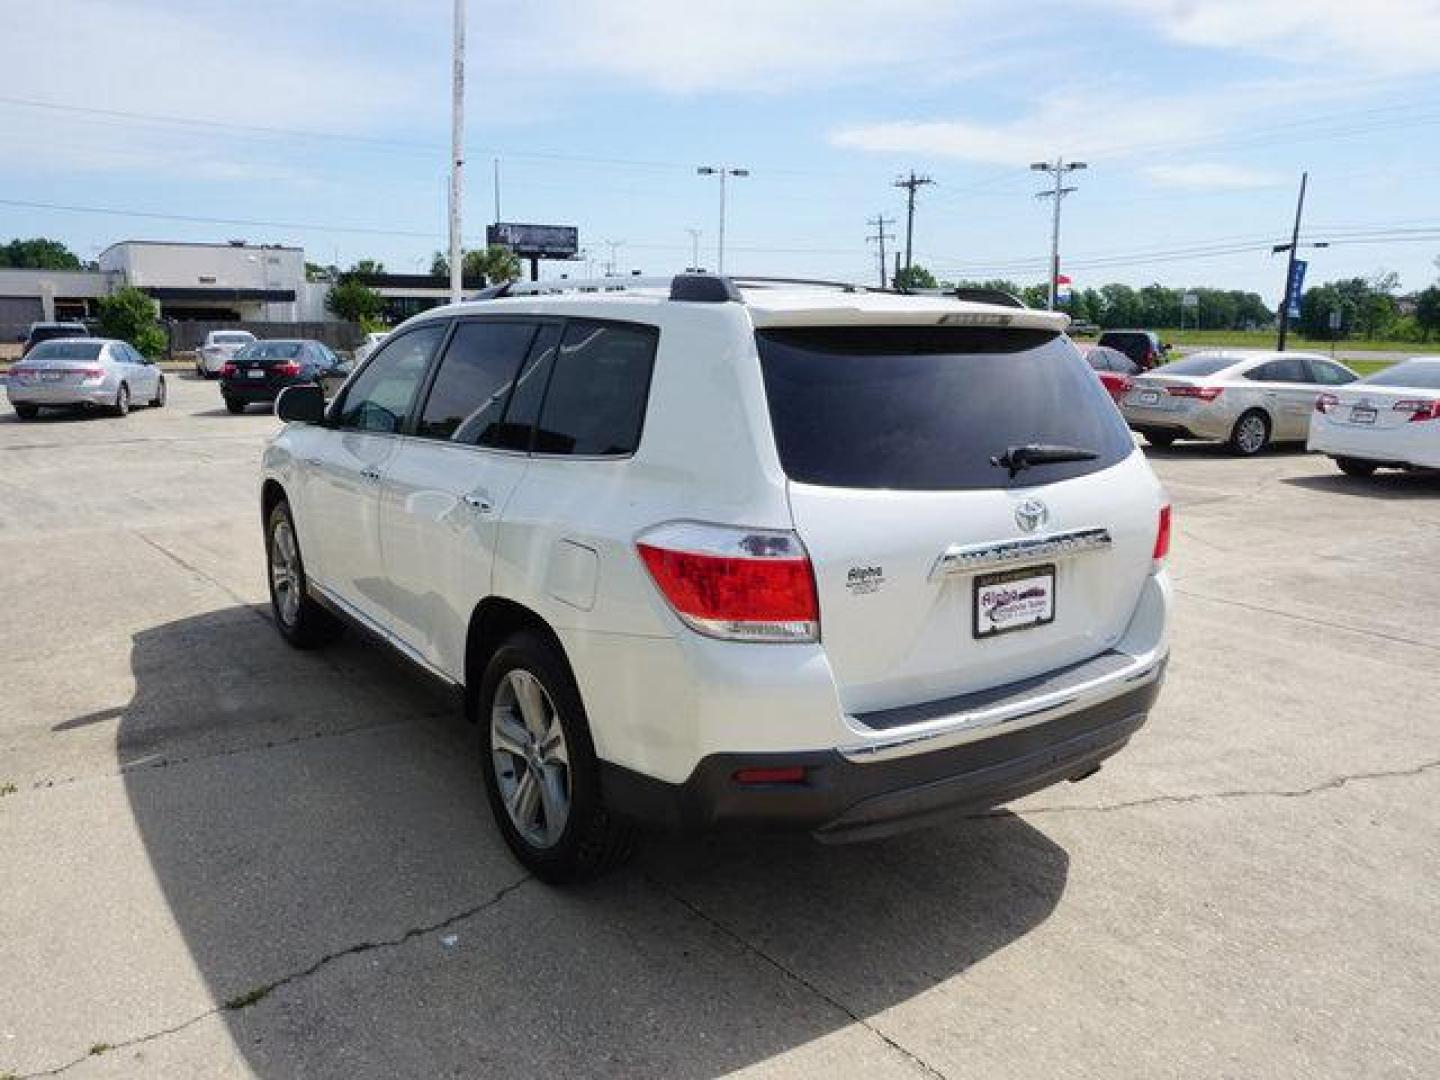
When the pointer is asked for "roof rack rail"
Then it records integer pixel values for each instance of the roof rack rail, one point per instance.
(702, 288)
(770, 282)
(986, 296)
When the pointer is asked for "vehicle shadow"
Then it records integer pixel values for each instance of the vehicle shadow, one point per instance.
(1386, 484)
(1179, 451)
(320, 834)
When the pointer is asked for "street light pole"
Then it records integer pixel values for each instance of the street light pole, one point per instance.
(1290, 266)
(457, 153)
(722, 171)
(1059, 168)
(694, 248)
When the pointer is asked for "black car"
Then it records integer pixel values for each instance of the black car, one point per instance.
(49, 331)
(1142, 346)
(262, 369)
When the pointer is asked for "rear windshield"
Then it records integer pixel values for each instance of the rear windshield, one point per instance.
(1423, 375)
(65, 350)
(271, 350)
(925, 408)
(1197, 365)
(233, 338)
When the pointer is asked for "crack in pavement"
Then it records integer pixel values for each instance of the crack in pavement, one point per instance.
(1310, 619)
(185, 564)
(1333, 784)
(257, 994)
(835, 1003)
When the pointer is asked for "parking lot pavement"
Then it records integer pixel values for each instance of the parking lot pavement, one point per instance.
(226, 858)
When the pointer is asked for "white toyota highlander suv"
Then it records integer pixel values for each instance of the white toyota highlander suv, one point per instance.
(712, 552)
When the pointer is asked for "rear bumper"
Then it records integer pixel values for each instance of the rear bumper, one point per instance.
(1416, 449)
(843, 799)
(1211, 421)
(239, 390)
(102, 395)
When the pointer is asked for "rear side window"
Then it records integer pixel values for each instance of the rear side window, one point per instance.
(925, 408)
(595, 403)
(1289, 369)
(468, 398)
(1328, 374)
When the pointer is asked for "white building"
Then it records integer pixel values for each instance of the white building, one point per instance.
(211, 281)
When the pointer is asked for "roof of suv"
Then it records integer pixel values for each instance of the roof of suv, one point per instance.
(769, 302)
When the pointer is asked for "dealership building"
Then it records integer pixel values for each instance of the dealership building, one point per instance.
(201, 283)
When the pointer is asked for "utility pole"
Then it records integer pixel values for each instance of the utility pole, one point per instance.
(722, 171)
(497, 191)
(457, 153)
(613, 245)
(910, 183)
(1293, 247)
(694, 249)
(880, 221)
(1059, 167)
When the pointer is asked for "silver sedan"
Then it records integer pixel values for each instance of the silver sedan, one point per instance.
(91, 372)
(1248, 398)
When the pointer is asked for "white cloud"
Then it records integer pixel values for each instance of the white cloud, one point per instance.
(747, 45)
(1391, 37)
(1214, 176)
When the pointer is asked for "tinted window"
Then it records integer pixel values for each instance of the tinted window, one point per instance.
(595, 402)
(925, 408)
(65, 350)
(1328, 374)
(517, 426)
(379, 397)
(1097, 359)
(1198, 365)
(1289, 369)
(468, 398)
(272, 350)
(233, 337)
(50, 333)
(1421, 374)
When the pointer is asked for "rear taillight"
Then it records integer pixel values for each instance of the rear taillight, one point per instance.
(733, 583)
(20, 373)
(227, 371)
(1419, 409)
(91, 373)
(1162, 536)
(783, 774)
(1325, 402)
(288, 369)
(1204, 393)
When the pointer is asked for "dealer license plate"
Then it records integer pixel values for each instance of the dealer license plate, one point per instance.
(1361, 415)
(255, 373)
(1149, 397)
(1014, 600)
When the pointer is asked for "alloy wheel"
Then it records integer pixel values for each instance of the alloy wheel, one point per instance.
(531, 758)
(1250, 436)
(285, 572)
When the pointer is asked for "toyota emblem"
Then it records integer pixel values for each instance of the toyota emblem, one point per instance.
(1031, 514)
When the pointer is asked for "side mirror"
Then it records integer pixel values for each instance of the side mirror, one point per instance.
(303, 404)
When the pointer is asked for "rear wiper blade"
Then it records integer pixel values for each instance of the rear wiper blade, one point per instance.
(1020, 457)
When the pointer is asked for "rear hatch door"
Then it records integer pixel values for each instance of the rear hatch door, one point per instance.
(887, 434)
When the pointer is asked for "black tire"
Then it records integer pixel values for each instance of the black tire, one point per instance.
(1161, 439)
(1355, 467)
(234, 405)
(592, 840)
(303, 623)
(27, 412)
(121, 405)
(158, 401)
(1251, 433)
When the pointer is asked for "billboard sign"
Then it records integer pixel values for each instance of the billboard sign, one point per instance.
(535, 241)
(1297, 287)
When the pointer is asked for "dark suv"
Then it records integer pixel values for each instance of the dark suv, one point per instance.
(49, 331)
(1142, 346)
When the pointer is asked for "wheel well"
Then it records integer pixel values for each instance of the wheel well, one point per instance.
(270, 494)
(494, 620)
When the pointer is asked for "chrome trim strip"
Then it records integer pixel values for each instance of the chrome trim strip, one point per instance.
(967, 560)
(401, 646)
(964, 727)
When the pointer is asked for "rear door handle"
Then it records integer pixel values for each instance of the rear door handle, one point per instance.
(370, 473)
(481, 504)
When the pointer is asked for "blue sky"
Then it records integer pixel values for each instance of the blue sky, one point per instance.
(1196, 119)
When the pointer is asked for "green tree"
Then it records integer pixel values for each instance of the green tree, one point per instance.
(353, 301)
(130, 315)
(494, 265)
(38, 254)
(367, 266)
(915, 276)
(1427, 311)
(317, 272)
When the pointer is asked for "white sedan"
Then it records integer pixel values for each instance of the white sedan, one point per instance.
(1387, 420)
